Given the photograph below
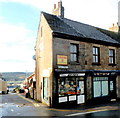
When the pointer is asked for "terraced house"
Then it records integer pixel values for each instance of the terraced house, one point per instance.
(75, 63)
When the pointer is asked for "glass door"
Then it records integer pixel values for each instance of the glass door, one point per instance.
(80, 90)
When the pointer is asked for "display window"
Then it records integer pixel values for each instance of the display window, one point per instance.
(67, 86)
(70, 86)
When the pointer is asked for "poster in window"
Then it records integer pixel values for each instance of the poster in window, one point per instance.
(62, 60)
(80, 87)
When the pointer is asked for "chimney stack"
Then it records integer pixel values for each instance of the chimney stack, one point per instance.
(59, 11)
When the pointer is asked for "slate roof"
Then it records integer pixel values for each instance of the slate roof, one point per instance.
(77, 29)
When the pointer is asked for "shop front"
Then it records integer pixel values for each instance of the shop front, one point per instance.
(104, 85)
(71, 87)
(80, 87)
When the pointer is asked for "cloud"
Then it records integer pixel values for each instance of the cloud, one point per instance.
(16, 47)
(100, 13)
(45, 5)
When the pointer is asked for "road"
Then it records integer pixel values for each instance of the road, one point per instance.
(13, 104)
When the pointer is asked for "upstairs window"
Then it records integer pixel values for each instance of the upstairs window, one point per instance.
(111, 56)
(73, 52)
(96, 55)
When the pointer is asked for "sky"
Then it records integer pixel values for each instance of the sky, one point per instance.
(19, 20)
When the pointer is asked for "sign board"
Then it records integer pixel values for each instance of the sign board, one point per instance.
(80, 99)
(62, 60)
(62, 99)
(72, 74)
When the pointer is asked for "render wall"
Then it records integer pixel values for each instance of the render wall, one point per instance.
(43, 58)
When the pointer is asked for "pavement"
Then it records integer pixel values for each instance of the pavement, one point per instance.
(89, 108)
(35, 103)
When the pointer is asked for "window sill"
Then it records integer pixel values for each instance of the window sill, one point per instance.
(74, 63)
(96, 64)
(112, 65)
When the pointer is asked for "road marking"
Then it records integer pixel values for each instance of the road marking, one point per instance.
(94, 111)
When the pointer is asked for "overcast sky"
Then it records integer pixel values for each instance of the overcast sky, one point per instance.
(19, 21)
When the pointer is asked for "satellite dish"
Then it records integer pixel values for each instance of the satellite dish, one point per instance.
(34, 57)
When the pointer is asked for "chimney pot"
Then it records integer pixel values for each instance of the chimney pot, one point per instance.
(59, 4)
(54, 6)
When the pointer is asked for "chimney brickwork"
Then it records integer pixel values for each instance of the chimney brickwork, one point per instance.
(58, 11)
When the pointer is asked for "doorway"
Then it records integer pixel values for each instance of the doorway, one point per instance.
(45, 89)
(112, 86)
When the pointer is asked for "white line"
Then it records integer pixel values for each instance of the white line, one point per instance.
(76, 114)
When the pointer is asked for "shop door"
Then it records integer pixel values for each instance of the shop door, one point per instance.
(45, 88)
(80, 92)
(112, 87)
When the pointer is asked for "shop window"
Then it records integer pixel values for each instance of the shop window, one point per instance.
(67, 86)
(100, 86)
(73, 52)
(96, 55)
(70, 86)
(111, 56)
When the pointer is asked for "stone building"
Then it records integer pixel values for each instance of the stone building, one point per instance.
(75, 63)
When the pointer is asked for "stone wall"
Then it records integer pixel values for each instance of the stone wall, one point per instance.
(62, 47)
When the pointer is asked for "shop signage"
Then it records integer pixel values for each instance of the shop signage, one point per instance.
(80, 99)
(71, 98)
(62, 66)
(62, 99)
(62, 60)
(98, 74)
(72, 74)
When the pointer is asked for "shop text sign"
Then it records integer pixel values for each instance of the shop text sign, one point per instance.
(72, 74)
(62, 60)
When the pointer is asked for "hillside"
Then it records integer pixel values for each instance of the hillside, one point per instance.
(15, 76)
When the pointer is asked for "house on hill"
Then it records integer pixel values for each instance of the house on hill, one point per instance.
(75, 63)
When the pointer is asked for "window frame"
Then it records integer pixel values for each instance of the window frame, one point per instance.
(74, 53)
(112, 57)
(96, 55)
(100, 80)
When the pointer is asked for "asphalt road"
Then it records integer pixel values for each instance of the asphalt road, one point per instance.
(14, 105)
